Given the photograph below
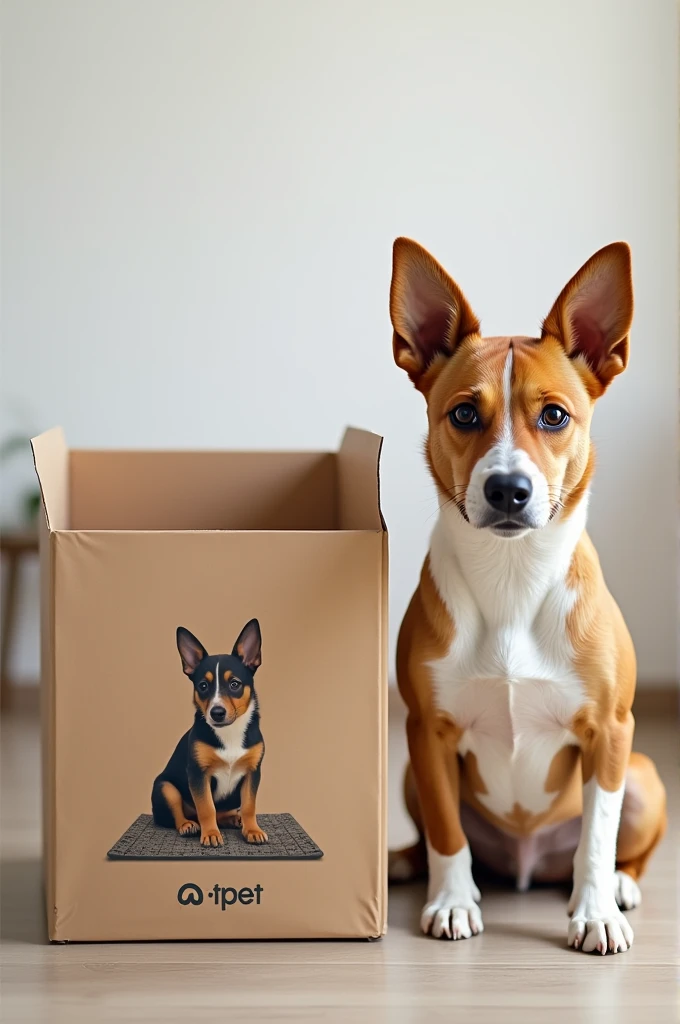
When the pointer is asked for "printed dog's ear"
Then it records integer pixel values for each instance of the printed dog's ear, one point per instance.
(248, 647)
(428, 310)
(593, 314)
(191, 651)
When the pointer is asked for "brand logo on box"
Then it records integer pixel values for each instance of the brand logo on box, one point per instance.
(191, 894)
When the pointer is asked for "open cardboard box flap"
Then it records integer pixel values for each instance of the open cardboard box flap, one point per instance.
(51, 459)
(210, 490)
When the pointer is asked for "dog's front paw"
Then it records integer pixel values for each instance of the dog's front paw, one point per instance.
(597, 925)
(212, 837)
(451, 910)
(254, 834)
(188, 828)
(451, 916)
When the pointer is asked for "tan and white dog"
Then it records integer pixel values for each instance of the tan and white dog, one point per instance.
(513, 659)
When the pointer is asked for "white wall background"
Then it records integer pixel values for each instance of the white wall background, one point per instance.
(199, 199)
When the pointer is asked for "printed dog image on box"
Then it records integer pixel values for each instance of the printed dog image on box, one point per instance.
(210, 783)
(212, 778)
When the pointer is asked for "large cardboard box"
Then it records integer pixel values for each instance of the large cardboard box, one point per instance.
(138, 543)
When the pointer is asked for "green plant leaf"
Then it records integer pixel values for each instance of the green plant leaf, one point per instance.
(32, 503)
(13, 444)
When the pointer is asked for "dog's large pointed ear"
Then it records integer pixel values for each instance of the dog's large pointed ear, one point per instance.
(428, 310)
(191, 651)
(248, 647)
(593, 314)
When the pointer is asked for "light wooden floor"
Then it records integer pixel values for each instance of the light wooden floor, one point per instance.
(518, 970)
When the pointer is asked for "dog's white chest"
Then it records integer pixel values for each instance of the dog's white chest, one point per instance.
(230, 751)
(515, 715)
(226, 778)
(508, 681)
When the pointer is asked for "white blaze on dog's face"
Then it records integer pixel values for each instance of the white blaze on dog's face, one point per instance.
(509, 418)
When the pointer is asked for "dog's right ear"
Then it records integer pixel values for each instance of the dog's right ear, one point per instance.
(191, 651)
(248, 646)
(428, 310)
(592, 316)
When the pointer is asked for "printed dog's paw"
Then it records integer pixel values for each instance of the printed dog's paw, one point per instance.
(212, 838)
(189, 828)
(255, 835)
(597, 925)
(626, 891)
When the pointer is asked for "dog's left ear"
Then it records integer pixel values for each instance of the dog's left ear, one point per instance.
(248, 647)
(429, 312)
(191, 651)
(593, 314)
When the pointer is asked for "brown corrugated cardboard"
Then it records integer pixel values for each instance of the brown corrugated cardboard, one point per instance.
(136, 544)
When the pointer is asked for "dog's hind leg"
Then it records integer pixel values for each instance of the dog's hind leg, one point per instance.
(643, 823)
(168, 810)
(409, 863)
(229, 819)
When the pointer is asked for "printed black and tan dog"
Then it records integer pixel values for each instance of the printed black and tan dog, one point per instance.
(212, 778)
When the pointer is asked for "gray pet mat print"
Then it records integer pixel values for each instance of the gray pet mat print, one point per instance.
(146, 841)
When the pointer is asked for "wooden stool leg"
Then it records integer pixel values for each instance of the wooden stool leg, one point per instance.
(9, 614)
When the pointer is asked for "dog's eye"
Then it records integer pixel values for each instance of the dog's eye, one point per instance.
(203, 687)
(553, 417)
(464, 416)
(234, 685)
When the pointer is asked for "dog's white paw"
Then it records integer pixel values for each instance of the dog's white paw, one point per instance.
(626, 891)
(452, 917)
(451, 910)
(597, 925)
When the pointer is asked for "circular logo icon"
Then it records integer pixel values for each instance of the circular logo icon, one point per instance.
(190, 893)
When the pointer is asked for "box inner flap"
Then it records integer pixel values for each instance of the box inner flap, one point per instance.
(51, 460)
(359, 481)
(157, 490)
(211, 490)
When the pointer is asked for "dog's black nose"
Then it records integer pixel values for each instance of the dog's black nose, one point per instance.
(508, 492)
(218, 713)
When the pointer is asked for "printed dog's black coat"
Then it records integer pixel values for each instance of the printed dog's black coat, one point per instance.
(180, 766)
(184, 794)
